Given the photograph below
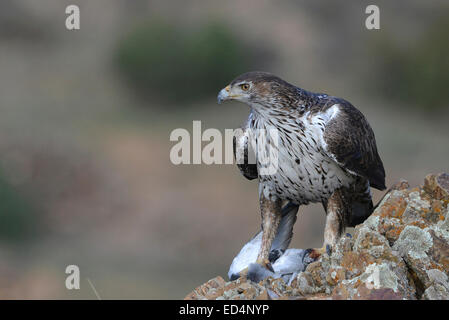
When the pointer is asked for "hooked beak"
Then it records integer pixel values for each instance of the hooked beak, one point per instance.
(223, 95)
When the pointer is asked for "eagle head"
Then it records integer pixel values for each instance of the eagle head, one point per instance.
(257, 89)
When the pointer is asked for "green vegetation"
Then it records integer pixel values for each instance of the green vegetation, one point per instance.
(175, 64)
(17, 215)
(417, 75)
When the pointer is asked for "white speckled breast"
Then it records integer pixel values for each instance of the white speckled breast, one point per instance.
(305, 172)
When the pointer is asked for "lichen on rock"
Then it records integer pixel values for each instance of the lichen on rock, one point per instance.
(400, 252)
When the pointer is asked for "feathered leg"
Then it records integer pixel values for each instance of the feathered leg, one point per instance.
(336, 212)
(335, 218)
(271, 217)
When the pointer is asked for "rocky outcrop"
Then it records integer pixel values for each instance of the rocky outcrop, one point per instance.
(400, 252)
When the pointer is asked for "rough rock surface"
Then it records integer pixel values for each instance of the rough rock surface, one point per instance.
(400, 252)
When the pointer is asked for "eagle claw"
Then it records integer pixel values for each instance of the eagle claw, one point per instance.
(275, 254)
(328, 250)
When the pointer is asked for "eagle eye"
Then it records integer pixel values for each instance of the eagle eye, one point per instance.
(244, 86)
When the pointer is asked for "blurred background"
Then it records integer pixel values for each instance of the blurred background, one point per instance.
(86, 115)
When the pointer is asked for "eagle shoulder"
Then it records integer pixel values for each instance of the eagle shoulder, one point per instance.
(349, 140)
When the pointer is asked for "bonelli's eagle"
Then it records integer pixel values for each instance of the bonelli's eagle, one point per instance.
(325, 151)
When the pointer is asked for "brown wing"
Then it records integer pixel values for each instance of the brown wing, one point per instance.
(351, 143)
(241, 146)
